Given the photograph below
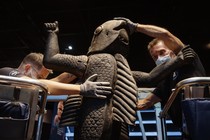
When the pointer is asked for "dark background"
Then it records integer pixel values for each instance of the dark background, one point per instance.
(21, 26)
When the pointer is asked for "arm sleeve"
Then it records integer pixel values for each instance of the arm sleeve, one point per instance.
(160, 72)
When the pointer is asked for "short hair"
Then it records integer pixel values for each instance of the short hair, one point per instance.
(36, 59)
(153, 43)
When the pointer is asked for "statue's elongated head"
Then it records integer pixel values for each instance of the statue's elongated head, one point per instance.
(110, 37)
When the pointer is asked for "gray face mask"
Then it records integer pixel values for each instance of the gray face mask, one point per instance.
(162, 59)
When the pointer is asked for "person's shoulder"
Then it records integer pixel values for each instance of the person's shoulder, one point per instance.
(8, 71)
(5, 69)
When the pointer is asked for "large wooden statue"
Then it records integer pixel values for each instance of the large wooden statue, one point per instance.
(93, 118)
(108, 118)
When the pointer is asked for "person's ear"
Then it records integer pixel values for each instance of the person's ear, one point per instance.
(172, 54)
(27, 67)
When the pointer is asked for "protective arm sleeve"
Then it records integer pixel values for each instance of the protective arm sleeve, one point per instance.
(160, 72)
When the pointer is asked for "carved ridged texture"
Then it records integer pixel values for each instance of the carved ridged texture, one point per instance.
(125, 93)
(70, 113)
(96, 114)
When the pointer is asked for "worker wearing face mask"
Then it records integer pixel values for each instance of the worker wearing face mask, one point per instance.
(175, 62)
(162, 55)
(162, 59)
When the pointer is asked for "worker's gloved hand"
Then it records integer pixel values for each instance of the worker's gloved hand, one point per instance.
(52, 27)
(95, 89)
(187, 54)
(132, 26)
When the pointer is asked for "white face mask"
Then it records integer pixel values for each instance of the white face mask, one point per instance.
(162, 59)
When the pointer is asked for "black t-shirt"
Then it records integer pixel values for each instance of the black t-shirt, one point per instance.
(164, 88)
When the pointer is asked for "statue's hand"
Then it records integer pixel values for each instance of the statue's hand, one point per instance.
(187, 54)
(52, 27)
(95, 89)
(131, 25)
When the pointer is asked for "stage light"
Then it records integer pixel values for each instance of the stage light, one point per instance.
(69, 48)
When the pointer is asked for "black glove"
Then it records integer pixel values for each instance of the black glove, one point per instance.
(95, 89)
(52, 27)
(132, 26)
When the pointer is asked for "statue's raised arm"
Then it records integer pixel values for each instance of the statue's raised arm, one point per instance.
(61, 62)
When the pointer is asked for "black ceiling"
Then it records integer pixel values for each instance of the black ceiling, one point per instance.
(21, 25)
